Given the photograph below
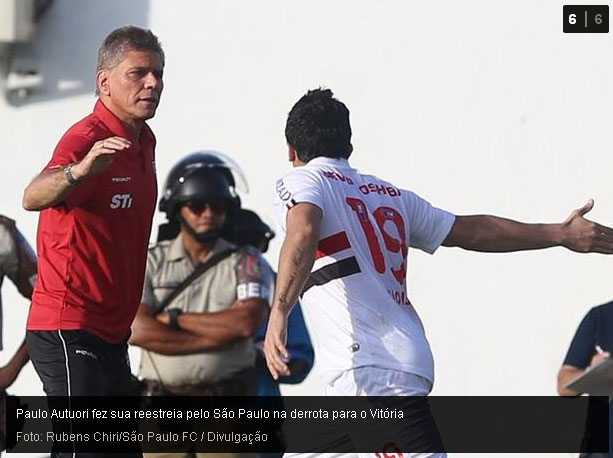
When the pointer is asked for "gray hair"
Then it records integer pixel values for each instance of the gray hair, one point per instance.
(125, 39)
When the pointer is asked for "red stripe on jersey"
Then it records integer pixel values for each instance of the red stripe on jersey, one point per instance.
(333, 244)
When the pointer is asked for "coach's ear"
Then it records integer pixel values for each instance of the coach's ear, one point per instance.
(102, 82)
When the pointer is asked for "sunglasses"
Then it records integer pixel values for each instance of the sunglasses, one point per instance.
(216, 205)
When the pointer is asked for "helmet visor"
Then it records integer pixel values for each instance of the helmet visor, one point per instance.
(225, 162)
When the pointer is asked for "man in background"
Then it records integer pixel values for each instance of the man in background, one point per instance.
(196, 335)
(591, 345)
(17, 262)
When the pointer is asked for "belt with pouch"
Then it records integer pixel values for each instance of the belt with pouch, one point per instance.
(240, 384)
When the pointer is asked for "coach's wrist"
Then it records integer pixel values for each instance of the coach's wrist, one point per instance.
(77, 171)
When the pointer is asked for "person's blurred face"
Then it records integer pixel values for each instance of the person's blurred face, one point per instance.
(132, 89)
(206, 215)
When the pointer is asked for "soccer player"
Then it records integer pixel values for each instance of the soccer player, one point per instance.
(345, 252)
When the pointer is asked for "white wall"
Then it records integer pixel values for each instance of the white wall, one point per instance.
(479, 106)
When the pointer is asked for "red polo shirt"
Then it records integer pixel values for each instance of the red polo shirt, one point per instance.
(92, 247)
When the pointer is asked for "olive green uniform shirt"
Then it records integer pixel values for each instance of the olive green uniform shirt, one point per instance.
(241, 275)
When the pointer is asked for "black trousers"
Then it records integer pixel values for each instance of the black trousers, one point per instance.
(78, 363)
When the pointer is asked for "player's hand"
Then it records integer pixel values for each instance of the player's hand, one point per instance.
(600, 357)
(100, 157)
(585, 236)
(275, 352)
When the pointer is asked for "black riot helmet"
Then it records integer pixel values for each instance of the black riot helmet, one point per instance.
(188, 180)
(249, 229)
(199, 177)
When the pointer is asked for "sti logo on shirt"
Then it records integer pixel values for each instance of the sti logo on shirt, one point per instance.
(121, 201)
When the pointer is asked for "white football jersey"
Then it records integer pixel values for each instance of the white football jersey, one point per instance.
(355, 299)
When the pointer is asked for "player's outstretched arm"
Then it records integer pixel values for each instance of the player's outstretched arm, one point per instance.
(295, 263)
(494, 234)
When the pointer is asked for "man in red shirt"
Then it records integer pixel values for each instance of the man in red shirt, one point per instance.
(97, 198)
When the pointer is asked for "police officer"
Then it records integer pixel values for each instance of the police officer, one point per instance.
(200, 342)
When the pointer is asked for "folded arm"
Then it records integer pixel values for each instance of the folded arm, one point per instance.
(240, 321)
(153, 335)
(198, 332)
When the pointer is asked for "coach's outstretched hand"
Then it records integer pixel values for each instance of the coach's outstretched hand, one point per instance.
(585, 236)
(100, 157)
(52, 186)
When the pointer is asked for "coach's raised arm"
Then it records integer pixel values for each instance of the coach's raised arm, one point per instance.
(55, 183)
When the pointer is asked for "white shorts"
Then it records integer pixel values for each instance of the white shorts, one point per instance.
(375, 381)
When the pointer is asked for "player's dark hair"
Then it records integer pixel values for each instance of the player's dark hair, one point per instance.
(124, 39)
(318, 125)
